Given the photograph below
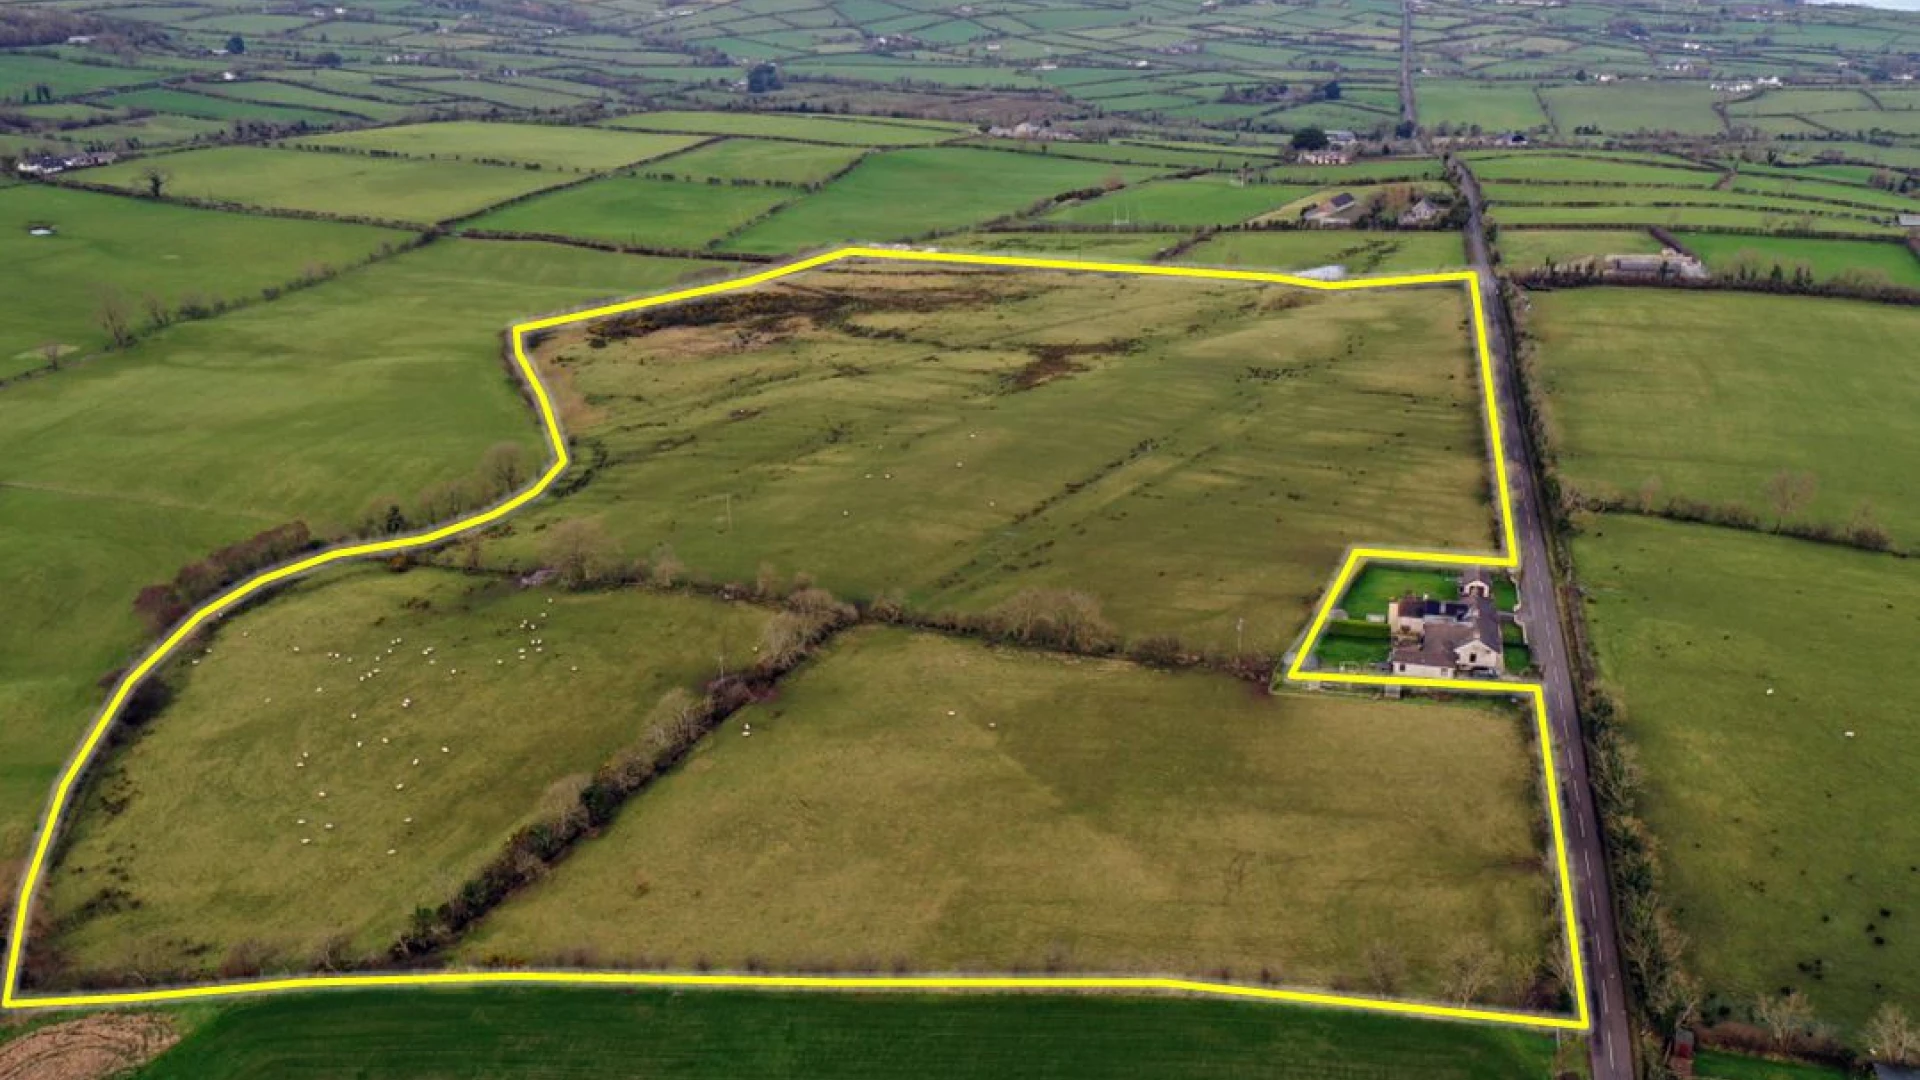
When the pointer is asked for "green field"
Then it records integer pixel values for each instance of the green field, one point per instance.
(20, 73)
(1116, 436)
(1683, 108)
(1116, 247)
(1693, 217)
(943, 806)
(1493, 107)
(639, 212)
(279, 411)
(1711, 395)
(1742, 662)
(826, 129)
(1359, 252)
(347, 752)
(906, 193)
(1525, 249)
(1868, 261)
(1203, 200)
(386, 189)
(112, 251)
(761, 159)
(556, 1034)
(541, 144)
(1589, 169)
(212, 107)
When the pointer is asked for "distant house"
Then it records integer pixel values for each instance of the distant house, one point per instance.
(1668, 263)
(1907, 221)
(1445, 639)
(50, 164)
(1339, 212)
(1342, 137)
(1421, 213)
(1026, 130)
(1328, 156)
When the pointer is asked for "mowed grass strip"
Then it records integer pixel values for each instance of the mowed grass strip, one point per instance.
(356, 749)
(107, 251)
(906, 193)
(1194, 455)
(575, 148)
(556, 1034)
(1743, 662)
(346, 185)
(373, 386)
(639, 212)
(1709, 396)
(916, 801)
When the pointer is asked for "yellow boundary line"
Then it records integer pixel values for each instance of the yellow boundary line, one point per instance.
(556, 441)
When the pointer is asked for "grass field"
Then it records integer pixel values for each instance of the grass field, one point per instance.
(1106, 247)
(825, 129)
(387, 189)
(1116, 436)
(762, 159)
(20, 73)
(1683, 108)
(1887, 261)
(1359, 252)
(541, 144)
(1494, 107)
(1694, 217)
(1590, 169)
(909, 192)
(640, 212)
(1743, 661)
(230, 832)
(212, 107)
(283, 410)
(555, 1034)
(1716, 1065)
(1713, 394)
(1522, 249)
(105, 246)
(1202, 200)
(912, 799)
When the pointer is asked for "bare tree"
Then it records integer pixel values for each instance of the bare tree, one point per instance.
(50, 352)
(114, 319)
(1892, 1037)
(1470, 969)
(1786, 1017)
(1650, 495)
(156, 180)
(580, 549)
(1789, 493)
(504, 467)
(158, 315)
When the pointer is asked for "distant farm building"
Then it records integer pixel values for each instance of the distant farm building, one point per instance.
(1339, 212)
(1325, 157)
(49, 164)
(1421, 213)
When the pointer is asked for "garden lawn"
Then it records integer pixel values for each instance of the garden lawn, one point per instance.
(283, 410)
(1710, 395)
(347, 185)
(573, 148)
(1743, 661)
(915, 802)
(639, 212)
(907, 193)
(107, 249)
(357, 748)
(558, 1034)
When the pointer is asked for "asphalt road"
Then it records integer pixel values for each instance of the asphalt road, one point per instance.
(1612, 1035)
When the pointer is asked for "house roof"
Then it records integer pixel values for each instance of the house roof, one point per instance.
(1340, 201)
(1883, 1071)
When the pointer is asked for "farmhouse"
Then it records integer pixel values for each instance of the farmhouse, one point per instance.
(1421, 213)
(49, 164)
(1669, 263)
(1908, 221)
(1444, 639)
(1339, 212)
